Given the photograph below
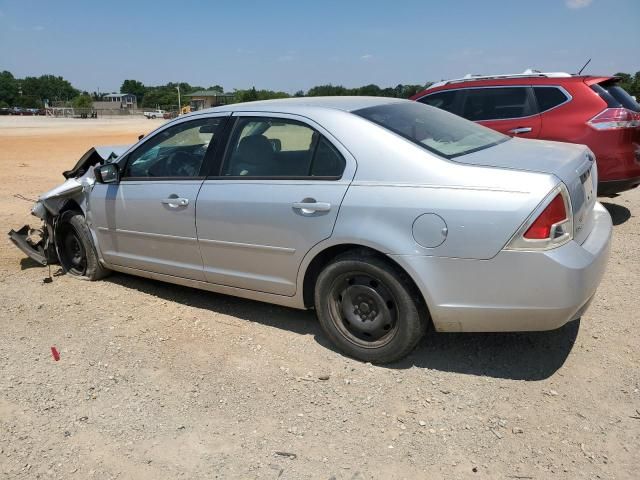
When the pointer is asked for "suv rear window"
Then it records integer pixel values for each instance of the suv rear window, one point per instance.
(496, 103)
(618, 94)
(548, 97)
(438, 131)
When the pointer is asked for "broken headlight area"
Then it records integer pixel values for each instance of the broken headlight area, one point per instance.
(36, 243)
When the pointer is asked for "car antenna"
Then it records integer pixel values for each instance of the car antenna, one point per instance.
(584, 66)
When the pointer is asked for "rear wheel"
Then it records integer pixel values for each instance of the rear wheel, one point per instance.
(75, 248)
(368, 308)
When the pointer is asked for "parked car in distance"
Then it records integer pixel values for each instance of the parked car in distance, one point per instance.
(154, 114)
(382, 214)
(584, 109)
(5, 111)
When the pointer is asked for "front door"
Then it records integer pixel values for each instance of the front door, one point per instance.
(277, 195)
(147, 220)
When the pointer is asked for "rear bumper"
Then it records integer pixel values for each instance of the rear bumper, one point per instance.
(514, 291)
(611, 187)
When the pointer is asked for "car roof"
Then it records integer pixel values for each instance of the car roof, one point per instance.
(296, 105)
(506, 80)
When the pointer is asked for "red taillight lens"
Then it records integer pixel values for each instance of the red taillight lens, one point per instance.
(554, 213)
(615, 118)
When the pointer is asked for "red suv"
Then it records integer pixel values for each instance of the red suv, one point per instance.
(594, 111)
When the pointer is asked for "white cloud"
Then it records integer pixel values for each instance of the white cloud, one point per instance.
(366, 57)
(575, 4)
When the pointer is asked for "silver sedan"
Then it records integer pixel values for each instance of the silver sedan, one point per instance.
(384, 215)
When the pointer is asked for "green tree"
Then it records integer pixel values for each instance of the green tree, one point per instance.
(8, 88)
(83, 101)
(327, 91)
(134, 87)
(47, 87)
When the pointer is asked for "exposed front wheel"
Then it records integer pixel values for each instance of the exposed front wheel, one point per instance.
(368, 308)
(75, 248)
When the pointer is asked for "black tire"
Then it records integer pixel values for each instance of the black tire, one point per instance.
(369, 308)
(75, 248)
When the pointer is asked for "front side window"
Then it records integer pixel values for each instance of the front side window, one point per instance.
(177, 151)
(496, 103)
(444, 100)
(436, 130)
(273, 147)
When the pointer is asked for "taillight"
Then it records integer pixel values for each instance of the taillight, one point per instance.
(550, 226)
(614, 119)
(554, 213)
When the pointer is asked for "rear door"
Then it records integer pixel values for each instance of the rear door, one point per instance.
(510, 110)
(276, 195)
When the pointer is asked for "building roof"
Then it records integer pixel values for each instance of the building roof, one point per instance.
(113, 95)
(209, 93)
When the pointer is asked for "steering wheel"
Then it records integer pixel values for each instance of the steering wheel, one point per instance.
(183, 164)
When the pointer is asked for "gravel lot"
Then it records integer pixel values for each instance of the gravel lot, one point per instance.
(158, 381)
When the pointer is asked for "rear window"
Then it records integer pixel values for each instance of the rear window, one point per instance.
(436, 130)
(496, 103)
(620, 95)
(548, 97)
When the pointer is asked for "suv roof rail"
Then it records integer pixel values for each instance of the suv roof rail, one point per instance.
(527, 73)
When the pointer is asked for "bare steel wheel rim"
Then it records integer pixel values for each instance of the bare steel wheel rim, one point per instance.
(363, 309)
(72, 251)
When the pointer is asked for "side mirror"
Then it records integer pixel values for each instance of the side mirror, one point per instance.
(108, 173)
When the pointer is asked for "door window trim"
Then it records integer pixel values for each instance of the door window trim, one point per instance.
(231, 130)
(207, 161)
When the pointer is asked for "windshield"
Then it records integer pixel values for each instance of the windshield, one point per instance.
(436, 130)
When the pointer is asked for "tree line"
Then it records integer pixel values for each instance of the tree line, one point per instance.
(32, 92)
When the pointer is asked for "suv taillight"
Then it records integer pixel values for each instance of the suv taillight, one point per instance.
(550, 226)
(614, 119)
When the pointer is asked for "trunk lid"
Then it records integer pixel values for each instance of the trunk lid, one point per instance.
(573, 164)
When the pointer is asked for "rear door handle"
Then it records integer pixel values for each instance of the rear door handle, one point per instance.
(518, 130)
(309, 206)
(175, 202)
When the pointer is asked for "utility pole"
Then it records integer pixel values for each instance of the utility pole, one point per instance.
(179, 104)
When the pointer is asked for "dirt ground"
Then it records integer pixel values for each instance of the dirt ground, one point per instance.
(158, 381)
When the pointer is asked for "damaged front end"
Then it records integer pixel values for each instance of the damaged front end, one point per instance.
(39, 243)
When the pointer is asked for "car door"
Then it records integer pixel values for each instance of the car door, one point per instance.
(510, 110)
(277, 194)
(146, 221)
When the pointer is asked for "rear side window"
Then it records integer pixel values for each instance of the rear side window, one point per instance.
(444, 100)
(280, 148)
(548, 97)
(496, 103)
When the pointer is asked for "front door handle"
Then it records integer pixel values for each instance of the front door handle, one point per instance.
(518, 130)
(309, 205)
(174, 201)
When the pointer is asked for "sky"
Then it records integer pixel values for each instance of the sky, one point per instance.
(294, 45)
